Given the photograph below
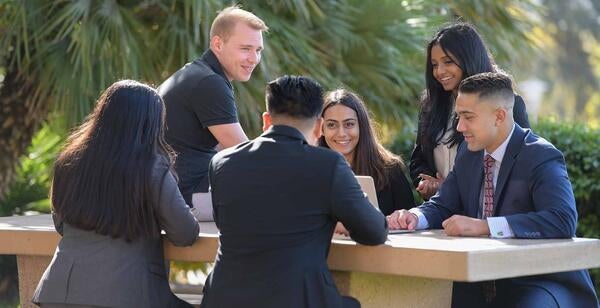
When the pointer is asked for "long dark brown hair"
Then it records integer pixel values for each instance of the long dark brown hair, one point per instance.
(102, 177)
(464, 42)
(370, 157)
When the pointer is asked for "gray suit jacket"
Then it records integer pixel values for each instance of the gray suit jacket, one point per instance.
(93, 269)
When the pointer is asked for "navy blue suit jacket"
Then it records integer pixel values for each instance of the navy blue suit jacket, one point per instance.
(533, 192)
(276, 201)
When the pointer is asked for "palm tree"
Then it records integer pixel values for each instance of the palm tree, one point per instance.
(57, 56)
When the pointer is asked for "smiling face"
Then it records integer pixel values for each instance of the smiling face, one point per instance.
(340, 129)
(445, 69)
(240, 52)
(479, 122)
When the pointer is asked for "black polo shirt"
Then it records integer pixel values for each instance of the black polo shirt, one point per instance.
(196, 97)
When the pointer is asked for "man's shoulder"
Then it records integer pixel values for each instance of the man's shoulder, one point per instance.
(228, 152)
(194, 75)
(536, 147)
(200, 73)
(311, 154)
(325, 152)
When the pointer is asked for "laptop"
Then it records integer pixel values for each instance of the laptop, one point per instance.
(368, 187)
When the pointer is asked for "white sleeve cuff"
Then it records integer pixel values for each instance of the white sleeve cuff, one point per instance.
(422, 223)
(499, 227)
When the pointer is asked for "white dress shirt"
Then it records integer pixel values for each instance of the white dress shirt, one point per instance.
(443, 153)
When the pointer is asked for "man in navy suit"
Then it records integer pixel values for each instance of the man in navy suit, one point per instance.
(276, 201)
(507, 182)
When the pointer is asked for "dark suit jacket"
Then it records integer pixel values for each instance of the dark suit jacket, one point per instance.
(533, 192)
(421, 159)
(98, 270)
(276, 201)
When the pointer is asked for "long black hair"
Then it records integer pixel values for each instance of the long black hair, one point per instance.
(370, 157)
(102, 177)
(473, 57)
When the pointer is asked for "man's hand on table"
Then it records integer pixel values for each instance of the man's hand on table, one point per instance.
(402, 219)
(458, 225)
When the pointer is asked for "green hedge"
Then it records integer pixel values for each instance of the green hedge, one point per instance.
(581, 147)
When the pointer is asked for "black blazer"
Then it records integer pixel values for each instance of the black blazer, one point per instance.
(421, 160)
(276, 201)
(397, 194)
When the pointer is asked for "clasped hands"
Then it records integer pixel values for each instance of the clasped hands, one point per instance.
(456, 225)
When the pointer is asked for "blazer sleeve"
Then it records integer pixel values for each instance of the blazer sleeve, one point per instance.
(418, 164)
(445, 203)
(520, 112)
(401, 189)
(174, 215)
(555, 214)
(351, 207)
(418, 159)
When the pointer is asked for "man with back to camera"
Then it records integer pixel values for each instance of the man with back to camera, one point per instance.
(506, 183)
(276, 202)
(201, 110)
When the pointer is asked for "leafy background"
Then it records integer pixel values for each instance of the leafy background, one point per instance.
(57, 56)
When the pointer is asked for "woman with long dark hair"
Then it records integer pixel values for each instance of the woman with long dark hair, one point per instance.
(113, 192)
(348, 129)
(455, 53)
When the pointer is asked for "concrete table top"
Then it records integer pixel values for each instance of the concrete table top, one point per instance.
(427, 254)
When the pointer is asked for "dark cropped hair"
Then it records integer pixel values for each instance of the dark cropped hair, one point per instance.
(370, 157)
(102, 177)
(496, 86)
(472, 56)
(295, 96)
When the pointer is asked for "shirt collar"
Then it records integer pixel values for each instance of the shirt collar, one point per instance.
(211, 59)
(285, 130)
(498, 154)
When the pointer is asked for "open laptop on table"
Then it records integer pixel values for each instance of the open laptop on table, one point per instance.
(368, 187)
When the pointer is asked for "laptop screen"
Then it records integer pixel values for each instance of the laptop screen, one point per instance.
(368, 186)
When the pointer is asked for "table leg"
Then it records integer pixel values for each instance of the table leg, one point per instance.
(380, 290)
(31, 269)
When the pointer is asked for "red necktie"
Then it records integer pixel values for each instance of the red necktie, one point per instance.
(488, 287)
(488, 187)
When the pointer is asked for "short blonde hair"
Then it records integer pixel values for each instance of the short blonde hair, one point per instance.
(229, 17)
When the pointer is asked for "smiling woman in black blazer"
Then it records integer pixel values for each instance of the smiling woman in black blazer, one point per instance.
(455, 53)
(112, 192)
(348, 129)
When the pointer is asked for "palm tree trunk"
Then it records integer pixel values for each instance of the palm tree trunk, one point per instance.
(21, 115)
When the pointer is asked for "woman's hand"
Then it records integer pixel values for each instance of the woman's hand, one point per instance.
(340, 229)
(429, 185)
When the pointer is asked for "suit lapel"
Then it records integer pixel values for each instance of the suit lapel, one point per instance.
(476, 170)
(512, 150)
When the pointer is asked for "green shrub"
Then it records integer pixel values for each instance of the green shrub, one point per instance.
(29, 192)
(581, 147)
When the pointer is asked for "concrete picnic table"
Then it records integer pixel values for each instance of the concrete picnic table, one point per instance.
(409, 270)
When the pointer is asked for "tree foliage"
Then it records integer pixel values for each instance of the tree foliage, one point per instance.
(567, 59)
(60, 55)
